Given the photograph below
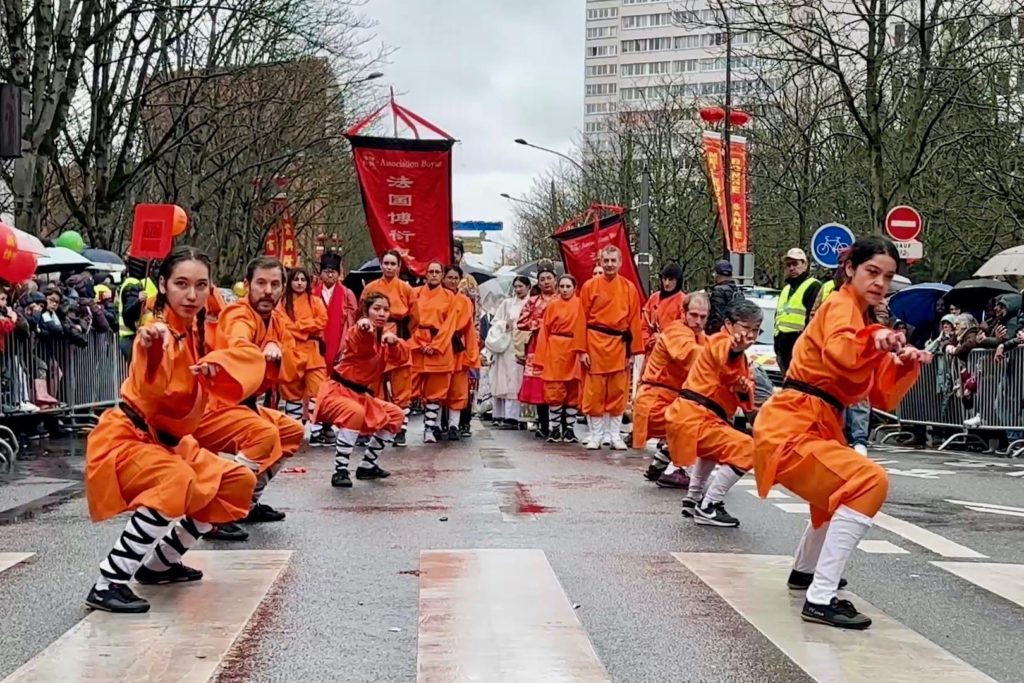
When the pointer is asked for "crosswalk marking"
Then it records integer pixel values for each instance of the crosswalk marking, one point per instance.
(989, 507)
(795, 508)
(1005, 580)
(747, 481)
(182, 638)
(8, 560)
(881, 547)
(754, 586)
(498, 615)
(924, 538)
(771, 494)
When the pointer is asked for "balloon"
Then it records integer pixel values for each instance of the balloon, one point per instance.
(239, 289)
(8, 245)
(21, 267)
(69, 239)
(180, 221)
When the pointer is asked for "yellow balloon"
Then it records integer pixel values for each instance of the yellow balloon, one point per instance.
(239, 289)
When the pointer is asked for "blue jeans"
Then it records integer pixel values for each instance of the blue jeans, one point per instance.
(858, 422)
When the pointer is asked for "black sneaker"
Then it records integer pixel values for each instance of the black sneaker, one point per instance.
(689, 505)
(372, 472)
(399, 441)
(176, 573)
(714, 514)
(341, 480)
(555, 436)
(838, 613)
(802, 580)
(569, 436)
(322, 438)
(263, 513)
(227, 532)
(465, 432)
(453, 433)
(117, 598)
(653, 472)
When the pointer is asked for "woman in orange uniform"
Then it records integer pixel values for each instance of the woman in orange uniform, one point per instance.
(347, 400)
(398, 379)
(466, 352)
(559, 364)
(699, 422)
(141, 456)
(531, 391)
(664, 306)
(305, 317)
(839, 360)
(433, 360)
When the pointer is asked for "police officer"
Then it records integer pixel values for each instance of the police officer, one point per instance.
(795, 304)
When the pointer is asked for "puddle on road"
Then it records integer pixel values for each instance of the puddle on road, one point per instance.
(57, 459)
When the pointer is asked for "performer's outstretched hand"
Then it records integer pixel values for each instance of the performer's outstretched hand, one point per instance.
(887, 340)
(364, 324)
(908, 354)
(204, 369)
(158, 332)
(389, 338)
(272, 352)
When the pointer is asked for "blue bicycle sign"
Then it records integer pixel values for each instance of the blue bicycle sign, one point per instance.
(828, 241)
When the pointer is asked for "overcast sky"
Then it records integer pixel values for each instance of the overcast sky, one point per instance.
(487, 72)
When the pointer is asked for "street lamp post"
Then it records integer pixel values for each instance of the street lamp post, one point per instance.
(521, 141)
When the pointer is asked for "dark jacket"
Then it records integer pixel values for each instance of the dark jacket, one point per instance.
(721, 295)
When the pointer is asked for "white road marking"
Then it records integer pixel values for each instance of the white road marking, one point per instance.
(8, 560)
(918, 473)
(747, 481)
(974, 505)
(888, 651)
(881, 548)
(1015, 474)
(1008, 513)
(771, 494)
(184, 636)
(498, 615)
(924, 538)
(1005, 580)
(795, 508)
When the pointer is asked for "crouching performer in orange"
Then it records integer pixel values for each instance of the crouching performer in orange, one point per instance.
(347, 400)
(142, 456)
(839, 360)
(699, 422)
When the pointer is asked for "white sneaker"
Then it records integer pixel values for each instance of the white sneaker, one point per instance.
(613, 432)
(27, 407)
(593, 443)
(861, 449)
(973, 422)
(429, 436)
(618, 444)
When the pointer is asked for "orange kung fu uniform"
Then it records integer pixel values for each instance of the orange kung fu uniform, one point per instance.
(699, 421)
(398, 377)
(306, 324)
(261, 435)
(559, 364)
(143, 454)
(799, 439)
(347, 399)
(214, 305)
(668, 365)
(658, 313)
(609, 331)
(432, 325)
(466, 351)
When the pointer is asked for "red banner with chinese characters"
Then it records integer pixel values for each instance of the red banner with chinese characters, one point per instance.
(737, 237)
(281, 239)
(407, 196)
(581, 245)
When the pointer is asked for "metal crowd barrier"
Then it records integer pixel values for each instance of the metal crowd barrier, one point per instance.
(81, 380)
(938, 399)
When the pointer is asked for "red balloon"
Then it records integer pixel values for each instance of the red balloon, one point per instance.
(8, 245)
(20, 268)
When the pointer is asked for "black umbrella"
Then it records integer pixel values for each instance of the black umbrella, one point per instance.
(972, 295)
(530, 269)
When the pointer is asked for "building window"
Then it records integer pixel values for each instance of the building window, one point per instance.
(687, 42)
(685, 66)
(593, 108)
(595, 89)
(595, 127)
(603, 51)
(603, 13)
(646, 45)
(601, 32)
(602, 70)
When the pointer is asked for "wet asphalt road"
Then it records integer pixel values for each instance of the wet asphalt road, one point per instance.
(346, 607)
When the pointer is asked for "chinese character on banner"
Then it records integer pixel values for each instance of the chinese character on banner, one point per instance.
(399, 200)
(281, 241)
(737, 230)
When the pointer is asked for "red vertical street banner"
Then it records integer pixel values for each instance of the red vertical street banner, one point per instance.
(581, 245)
(406, 187)
(737, 238)
(280, 241)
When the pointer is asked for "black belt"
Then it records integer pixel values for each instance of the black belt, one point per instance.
(659, 384)
(349, 384)
(810, 390)
(701, 399)
(433, 330)
(625, 335)
(458, 342)
(402, 327)
(140, 423)
(570, 335)
(250, 403)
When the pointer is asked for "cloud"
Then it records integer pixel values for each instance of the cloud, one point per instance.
(489, 71)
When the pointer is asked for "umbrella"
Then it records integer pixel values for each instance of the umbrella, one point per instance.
(1007, 262)
(530, 269)
(59, 258)
(916, 306)
(972, 295)
(104, 260)
(28, 243)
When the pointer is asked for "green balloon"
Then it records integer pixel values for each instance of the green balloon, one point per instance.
(69, 239)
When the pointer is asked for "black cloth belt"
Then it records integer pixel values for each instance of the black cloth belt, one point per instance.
(140, 423)
(569, 335)
(701, 399)
(659, 384)
(433, 330)
(458, 342)
(250, 403)
(810, 390)
(402, 327)
(349, 384)
(626, 335)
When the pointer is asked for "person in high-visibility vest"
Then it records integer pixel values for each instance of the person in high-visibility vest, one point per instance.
(795, 304)
(132, 296)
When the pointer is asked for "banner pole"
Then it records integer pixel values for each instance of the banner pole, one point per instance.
(643, 256)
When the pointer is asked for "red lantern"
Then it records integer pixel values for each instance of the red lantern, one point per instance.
(738, 117)
(20, 268)
(712, 115)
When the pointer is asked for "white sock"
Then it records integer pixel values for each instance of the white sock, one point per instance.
(144, 529)
(721, 481)
(615, 427)
(262, 479)
(844, 532)
(175, 544)
(809, 549)
(241, 459)
(698, 477)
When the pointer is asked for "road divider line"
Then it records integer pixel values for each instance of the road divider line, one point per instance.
(499, 615)
(1005, 580)
(183, 638)
(8, 560)
(1008, 513)
(939, 545)
(753, 585)
(881, 548)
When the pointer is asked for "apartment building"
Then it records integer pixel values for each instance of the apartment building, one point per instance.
(643, 53)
